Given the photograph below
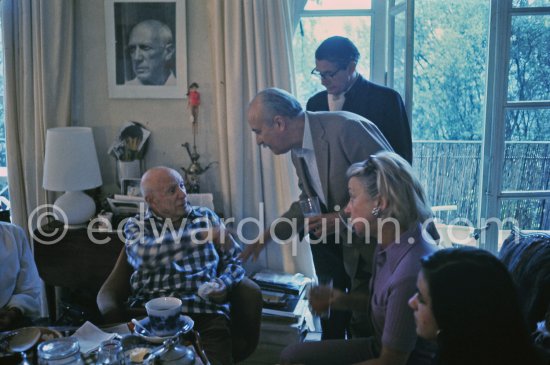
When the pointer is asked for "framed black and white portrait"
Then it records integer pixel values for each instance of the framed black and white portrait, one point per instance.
(146, 48)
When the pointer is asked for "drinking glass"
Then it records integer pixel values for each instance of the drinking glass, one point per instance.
(310, 206)
(110, 352)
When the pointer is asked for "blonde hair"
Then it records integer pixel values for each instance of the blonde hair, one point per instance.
(390, 177)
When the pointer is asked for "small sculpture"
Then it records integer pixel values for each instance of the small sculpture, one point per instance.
(194, 170)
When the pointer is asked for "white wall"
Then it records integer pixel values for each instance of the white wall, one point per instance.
(167, 119)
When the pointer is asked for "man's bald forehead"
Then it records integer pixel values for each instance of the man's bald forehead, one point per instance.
(153, 176)
(156, 28)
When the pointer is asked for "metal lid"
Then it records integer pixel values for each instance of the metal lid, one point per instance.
(172, 352)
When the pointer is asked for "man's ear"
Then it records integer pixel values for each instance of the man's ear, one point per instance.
(351, 67)
(169, 51)
(279, 122)
(149, 200)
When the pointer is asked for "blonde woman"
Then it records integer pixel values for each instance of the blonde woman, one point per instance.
(386, 202)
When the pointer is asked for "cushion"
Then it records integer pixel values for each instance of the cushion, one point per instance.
(527, 256)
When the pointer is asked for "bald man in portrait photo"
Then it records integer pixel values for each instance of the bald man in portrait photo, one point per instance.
(151, 49)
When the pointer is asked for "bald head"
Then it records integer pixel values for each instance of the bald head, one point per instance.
(273, 101)
(159, 31)
(151, 49)
(164, 191)
(277, 119)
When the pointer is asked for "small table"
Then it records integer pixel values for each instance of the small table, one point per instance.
(75, 258)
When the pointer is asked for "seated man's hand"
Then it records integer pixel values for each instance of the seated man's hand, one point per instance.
(10, 318)
(219, 294)
(251, 250)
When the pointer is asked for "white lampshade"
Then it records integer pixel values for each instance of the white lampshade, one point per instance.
(71, 165)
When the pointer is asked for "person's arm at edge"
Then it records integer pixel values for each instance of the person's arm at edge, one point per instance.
(26, 296)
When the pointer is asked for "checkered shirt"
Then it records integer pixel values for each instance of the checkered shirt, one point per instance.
(167, 263)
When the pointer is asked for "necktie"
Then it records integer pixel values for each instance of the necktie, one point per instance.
(306, 180)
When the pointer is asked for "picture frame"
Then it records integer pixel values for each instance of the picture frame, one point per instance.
(130, 187)
(146, 45)
(124, 207)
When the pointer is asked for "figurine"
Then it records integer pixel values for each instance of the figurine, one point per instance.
(193, 102)
(194, 170)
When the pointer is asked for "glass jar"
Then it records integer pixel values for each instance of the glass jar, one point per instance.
(60, 351)
(110, 352)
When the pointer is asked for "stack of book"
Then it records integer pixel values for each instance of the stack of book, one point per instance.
(282, 292)
(285, 307)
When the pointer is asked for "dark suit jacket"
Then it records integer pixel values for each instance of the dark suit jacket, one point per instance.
(339, 139)
(381, 105)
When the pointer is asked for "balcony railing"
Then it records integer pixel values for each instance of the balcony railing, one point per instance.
(450, 172)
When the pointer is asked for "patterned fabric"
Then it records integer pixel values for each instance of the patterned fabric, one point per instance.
(168, 263)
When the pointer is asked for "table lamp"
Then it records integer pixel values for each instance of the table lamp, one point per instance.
(71, 166)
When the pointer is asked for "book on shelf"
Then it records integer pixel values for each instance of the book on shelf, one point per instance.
(281, 282)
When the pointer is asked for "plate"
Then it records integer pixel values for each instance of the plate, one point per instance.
(185, 324)
(45, 335)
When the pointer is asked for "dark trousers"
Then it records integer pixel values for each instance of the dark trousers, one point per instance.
(329, 264)
(215, 336)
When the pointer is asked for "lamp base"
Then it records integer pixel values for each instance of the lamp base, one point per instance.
(76, 207)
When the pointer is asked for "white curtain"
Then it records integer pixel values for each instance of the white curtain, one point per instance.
(252, 50)
(38, 54)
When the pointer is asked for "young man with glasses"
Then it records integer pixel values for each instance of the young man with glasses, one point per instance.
(335, 64)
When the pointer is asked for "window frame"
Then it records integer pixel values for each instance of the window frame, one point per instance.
(493, 150)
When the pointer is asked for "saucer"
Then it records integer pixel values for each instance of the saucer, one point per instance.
(185, 324)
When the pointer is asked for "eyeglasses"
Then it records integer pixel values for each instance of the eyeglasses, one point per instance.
(325, 75)
(368, 165)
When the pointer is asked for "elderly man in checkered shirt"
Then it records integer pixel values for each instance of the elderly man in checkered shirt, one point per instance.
(171, 257)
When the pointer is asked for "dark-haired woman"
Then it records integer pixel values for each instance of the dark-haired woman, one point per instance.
(467, 303)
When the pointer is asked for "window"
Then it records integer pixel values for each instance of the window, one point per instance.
(520, 113)
(480, 120)
(448, 112)
(4, 193)
(322, 19)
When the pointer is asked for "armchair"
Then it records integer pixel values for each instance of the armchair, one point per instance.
(245, 307)
(527, 257)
